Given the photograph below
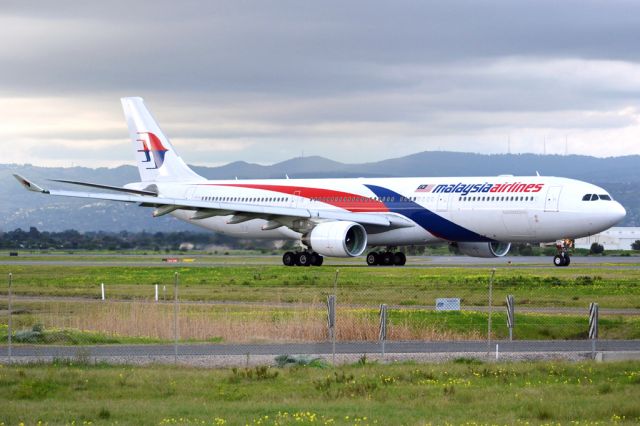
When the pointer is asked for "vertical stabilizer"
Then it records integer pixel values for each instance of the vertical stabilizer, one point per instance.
(156, 158)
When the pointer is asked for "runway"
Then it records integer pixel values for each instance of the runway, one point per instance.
(202, 261)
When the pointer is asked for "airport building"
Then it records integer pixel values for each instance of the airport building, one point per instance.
(616, 238)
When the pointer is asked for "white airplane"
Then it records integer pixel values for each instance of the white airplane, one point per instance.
(342, 217)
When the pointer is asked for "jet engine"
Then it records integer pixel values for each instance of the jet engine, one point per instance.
(495, 249)
(337, 239)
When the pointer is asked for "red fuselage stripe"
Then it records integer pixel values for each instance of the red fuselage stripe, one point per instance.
(344, 200)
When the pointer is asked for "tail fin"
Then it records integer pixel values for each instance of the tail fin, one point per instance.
(157, 159)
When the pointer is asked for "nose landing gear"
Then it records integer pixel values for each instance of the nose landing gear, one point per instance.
(562, 257)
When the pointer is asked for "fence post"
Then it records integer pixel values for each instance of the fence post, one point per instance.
(175, 318)
(493, 272)
(382, 335)
(102, 290)
(331, 315)
(156, 292)
(510, 315)
(593, 326)
(10, 322)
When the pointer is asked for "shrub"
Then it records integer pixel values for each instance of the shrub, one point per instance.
(596, 248)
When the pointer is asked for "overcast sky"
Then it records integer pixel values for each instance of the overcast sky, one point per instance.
(358, 81)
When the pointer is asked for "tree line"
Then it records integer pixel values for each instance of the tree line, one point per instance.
(33, 239)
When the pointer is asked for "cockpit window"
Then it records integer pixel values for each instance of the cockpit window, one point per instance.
(594, 197)
(587, 197)
(605, 197)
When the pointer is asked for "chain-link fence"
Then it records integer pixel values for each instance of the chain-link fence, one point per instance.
(321, 313)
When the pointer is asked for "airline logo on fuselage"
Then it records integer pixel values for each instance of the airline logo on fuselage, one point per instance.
(473, 188)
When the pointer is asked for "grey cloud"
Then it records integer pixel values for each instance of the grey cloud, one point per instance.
(287, 73)
(298, 47)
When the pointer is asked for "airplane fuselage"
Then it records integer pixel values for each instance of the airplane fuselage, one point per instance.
(470, 209)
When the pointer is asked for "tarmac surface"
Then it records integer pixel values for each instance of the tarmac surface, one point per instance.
(233, 260)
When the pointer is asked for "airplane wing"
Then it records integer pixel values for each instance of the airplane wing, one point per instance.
(100, 186)
(205, 209)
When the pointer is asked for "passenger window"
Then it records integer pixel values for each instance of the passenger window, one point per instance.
(594, 197)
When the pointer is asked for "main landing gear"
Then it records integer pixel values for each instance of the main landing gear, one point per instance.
(562, 257)
(302, 258)
(386, 258)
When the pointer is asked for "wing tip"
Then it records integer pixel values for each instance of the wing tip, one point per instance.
(28, 184)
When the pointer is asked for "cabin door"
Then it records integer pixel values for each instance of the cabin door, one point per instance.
(552, 201)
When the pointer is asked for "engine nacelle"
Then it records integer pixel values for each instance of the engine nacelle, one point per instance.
(496, 249)
(337, 239)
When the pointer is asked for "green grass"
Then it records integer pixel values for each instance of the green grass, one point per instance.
(399, 394)
(533, 286)
(289, 290)
(528, 326)
(38, 335)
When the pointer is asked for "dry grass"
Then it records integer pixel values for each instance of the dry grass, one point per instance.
(237, 324)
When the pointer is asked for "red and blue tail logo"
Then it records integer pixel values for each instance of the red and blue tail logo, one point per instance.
(153, 150)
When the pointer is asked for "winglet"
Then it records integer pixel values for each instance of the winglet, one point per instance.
(29, 185)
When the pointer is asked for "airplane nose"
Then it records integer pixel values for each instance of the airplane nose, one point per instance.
(618, 212)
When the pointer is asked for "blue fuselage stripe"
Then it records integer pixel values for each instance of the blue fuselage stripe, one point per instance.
(432, 222)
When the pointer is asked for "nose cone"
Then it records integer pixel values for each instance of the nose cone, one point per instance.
(618, 213)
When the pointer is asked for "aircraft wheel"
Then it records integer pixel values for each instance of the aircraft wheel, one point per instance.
(399, 259)
(303, 259)
(558, 260)
(289, 259)
(387, 258)
(373, 259)
(316, 259)
(567, 260)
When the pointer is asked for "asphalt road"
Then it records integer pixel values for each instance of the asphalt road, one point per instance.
(323, 348)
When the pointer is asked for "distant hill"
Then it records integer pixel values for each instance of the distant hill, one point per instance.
(21, 209)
